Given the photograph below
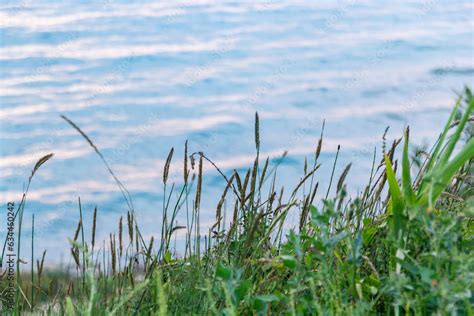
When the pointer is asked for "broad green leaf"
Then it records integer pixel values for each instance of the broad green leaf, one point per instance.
(168, 258)
(223, 272)
(70, 309)
(242, 289)
(289, 261)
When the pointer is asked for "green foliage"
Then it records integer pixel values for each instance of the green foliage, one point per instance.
(402, 250)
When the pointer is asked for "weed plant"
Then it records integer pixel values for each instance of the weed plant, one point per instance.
(402, 246)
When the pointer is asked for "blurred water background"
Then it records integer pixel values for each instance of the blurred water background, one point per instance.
(141, 77)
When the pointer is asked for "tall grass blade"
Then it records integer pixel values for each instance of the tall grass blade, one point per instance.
(444, 176)
(397, 203)
(440, 143)
(406, 175)
(457, 134)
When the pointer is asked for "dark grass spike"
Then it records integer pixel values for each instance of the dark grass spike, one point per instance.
(304, 213)
(384, 140)
(320, 144)
(137, 241)
(120, 237)
(239, 182)
(75, 256)
(164, 211)
(113, 254)
(39, 268)
(379, 186)
(457, 122)
(21, 206)
(342, 178)
(253, 182)
(185, 164)
(78, 229)
(130, 226)
(243, 198)
(167, 166)
(244, 187)
(341, 194)
(313, 194)
(199, 186)
(40, 163)
(264, 171)
(390, 153)
(94, 227)
(257, 133)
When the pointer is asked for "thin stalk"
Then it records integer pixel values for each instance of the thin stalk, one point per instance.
(332, 173)
(83, 247)
(32, 259)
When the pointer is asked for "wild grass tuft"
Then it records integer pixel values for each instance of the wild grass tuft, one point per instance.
(403, 245)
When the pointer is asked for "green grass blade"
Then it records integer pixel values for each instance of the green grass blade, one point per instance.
(125, 298)
(447, 173)
(70, 309)
(398, 204)
(406, 176)
(441, 139)
(457, 134)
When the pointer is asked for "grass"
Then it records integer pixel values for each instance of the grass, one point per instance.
(402, 246)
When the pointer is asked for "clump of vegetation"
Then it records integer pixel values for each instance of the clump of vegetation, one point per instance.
(402, 246)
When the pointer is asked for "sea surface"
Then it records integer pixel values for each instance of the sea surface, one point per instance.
(142, 77)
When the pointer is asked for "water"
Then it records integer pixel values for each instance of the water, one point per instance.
(141, 77)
